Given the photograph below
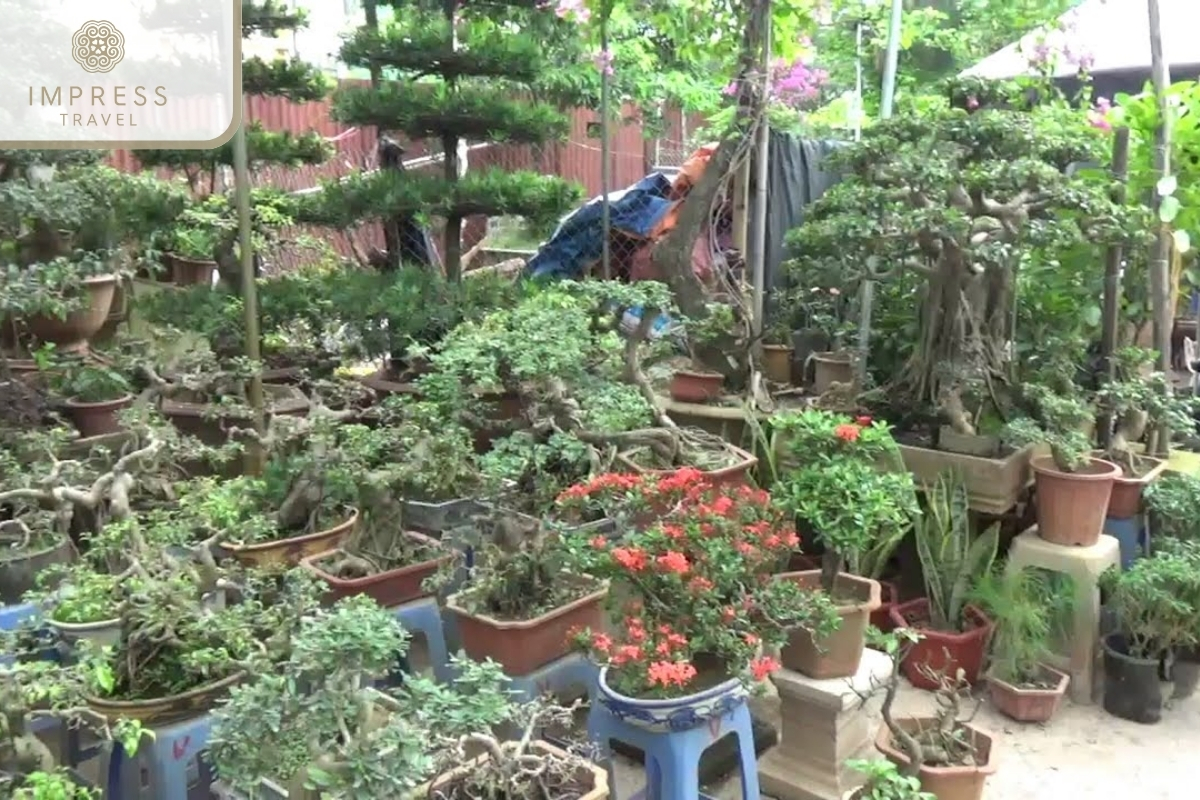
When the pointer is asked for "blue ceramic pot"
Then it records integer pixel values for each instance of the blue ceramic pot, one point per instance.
(676, 713)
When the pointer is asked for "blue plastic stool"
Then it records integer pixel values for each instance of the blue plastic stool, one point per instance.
(673, 757)
(569, 677)
(167, 758)
(12, 616)
(423, 616)
(1131, 535)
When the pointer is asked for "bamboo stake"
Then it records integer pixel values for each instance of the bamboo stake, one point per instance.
(1160, 256)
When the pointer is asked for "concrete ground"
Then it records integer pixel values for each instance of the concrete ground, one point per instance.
(1082, 753)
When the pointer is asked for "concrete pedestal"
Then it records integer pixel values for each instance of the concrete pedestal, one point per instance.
(823, 724)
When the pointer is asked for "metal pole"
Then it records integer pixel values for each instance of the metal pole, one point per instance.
(1161, 254)
(605, 148)
(758, 244)
(867, 300)
(1112, 281)
(241, 178)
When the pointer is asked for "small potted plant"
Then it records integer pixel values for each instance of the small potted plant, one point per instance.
(777, 351)
(87, 605)
(1139, 402)
(953, 632)
(699, 384)
(824, 311)
(885, 782)
(834, 484)
(191, 248)
(1154, 604)
(1072, 487)
(94, 395)
(700, 607)
(1024, 606)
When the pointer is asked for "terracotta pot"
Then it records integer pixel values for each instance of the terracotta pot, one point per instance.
(839, 654)
(830, 368)
(735, 474)
(889, 596)
(1126, 499)
(942, 651)
(777, 362)
(290, 552)
(944, 783)
(97, 419)
(18, 572)
(598, 777)
(184, 271)
(1025, 704)
(391, 588)
(522, 646)
(696, 387)
(72, 334)
(188, 704)
(1071, 506)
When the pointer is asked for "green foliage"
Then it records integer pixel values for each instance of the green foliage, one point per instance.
(952, 559)
(50, 786)
(884, 781)
(1060, 424)
(291, 78)
(262, 147)
(1026, 606)
(438, 460)
(1156, 602)
(91, 383)
(1172, 501)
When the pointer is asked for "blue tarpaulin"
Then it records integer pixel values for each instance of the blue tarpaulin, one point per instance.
(578, 241)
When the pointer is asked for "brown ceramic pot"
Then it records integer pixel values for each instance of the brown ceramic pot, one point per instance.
(390, 588)
(944, 783)
(943, 652)
(290, 552)
(1025, 704)
(838, 654)
(185, 271)
(97, 419)
(185, 705)
(1126, 499)
(71, 334)
(696, 387)
(522, 646)
(830, 368)
(777, 362)
(1072, 506)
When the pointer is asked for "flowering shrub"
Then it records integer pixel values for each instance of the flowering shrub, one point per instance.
(705, 604)
(837, 479)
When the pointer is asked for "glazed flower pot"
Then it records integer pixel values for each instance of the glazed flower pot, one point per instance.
(185, 271)
(736, 474)
(521, 647)
(392, 587)
(838, 654)
(673, 714)
(696, 387)
(1132, 689)
(590, 775)
(1026, 704)
(71, 334)
(1126, 499)
(157, 711)
(777, 362)
(830, 368)
(97, 419)
(106, 633)
(19, 570)
(290, 552)
(944, 783)
(941, 651)
(1071, 506)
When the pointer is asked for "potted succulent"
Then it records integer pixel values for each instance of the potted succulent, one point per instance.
(520, 599)
(699, 610)
(94, 394)
(1139, 402)
(953, 632)
(884, 781)
(1025, 607)
(833, 482)
(1072, 487)
(1155, 604)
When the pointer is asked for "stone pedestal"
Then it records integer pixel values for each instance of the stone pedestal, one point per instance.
(823, 724)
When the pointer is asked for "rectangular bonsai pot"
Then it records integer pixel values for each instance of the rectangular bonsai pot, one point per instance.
(735, 474)
(390, 588)
(994, 485)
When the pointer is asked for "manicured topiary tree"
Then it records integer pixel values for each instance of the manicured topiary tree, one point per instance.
(447, 73)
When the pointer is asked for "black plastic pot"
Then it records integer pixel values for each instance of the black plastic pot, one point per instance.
(1132, 689)
(1185, 672)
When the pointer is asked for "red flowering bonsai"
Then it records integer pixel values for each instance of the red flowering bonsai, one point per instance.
(844, 477)
(703, 604)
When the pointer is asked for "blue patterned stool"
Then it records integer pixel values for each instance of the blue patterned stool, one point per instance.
(569, 677)
(171, 759)
(424, 617)
(673, 755)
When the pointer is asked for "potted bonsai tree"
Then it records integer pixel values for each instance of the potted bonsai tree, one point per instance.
(699, 385)
(1154, 604)
(32, 542)
(94, 394)
(1139, 401)
(1172, 501)
(834, 483)
(1072, 487)
(953, 632)
(699, 609)
(1025, 607)
(191, 247)
(777, 349)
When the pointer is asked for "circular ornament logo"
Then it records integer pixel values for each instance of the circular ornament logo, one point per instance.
(98, 46)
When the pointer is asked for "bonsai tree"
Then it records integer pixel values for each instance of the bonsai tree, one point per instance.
(832, 480)
(1172, 501)
(1061, 425)
(956, 195)
(452, 72)
(1141, 403)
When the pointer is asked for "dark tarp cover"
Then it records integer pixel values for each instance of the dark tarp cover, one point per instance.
(796, 178)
